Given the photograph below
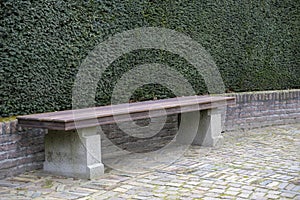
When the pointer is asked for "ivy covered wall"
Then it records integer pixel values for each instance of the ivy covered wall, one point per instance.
(43, 42)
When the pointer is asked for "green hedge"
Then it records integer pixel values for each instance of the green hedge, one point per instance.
(255, 45)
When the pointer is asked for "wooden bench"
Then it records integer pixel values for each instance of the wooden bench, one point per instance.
(73, 145)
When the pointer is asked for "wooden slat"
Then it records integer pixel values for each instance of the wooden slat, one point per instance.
(27, 123)
(69, 114)
(139, 115)
(132, 107)
(121, 108)
(82, 118)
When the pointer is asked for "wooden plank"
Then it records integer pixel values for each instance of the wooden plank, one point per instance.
(109, 110)
(105, 114)
(128, 108)
(27, 123)
(138, 115)
(137, 106)
(71, 125)
(123, 108)
(62, 115)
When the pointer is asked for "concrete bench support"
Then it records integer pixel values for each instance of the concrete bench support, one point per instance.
(71, 154)
(204, 132)
(210, 127)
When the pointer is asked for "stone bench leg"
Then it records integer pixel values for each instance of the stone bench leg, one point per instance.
(206, 132)
(74, 154)
(210, 128)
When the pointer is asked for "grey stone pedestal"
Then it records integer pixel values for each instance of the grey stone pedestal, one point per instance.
(200, 127)
(74, 153)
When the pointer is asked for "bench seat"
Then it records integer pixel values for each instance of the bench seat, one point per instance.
(73, 144)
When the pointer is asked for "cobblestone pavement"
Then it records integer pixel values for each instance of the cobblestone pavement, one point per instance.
(256, 164)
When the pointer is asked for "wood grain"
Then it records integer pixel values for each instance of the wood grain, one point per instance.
(89, 117)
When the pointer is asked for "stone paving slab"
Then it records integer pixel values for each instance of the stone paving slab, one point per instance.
(256, 164)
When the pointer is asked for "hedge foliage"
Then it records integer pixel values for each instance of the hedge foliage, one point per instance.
(255, 45)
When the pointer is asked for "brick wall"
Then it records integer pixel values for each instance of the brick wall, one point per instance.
(259, 109)
(20, 150)
(23, 149)
(139, 141)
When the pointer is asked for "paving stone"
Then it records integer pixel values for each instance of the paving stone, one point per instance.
(173, 184)
(273, 184)
(202, 188)
(288, 194)
(290, 187)
(172, 197)
(232, 193)
(119, 189)
(282, 185)
(259, 164)
(220, 191)
(197, 195)
(244, 195)
(64, 195)
(139, 197)
(210, 198)
(193, 183)
(159, 195)
(296, 188)
(272, 196)
(146, 194)
(258, 195)
(234, 189)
